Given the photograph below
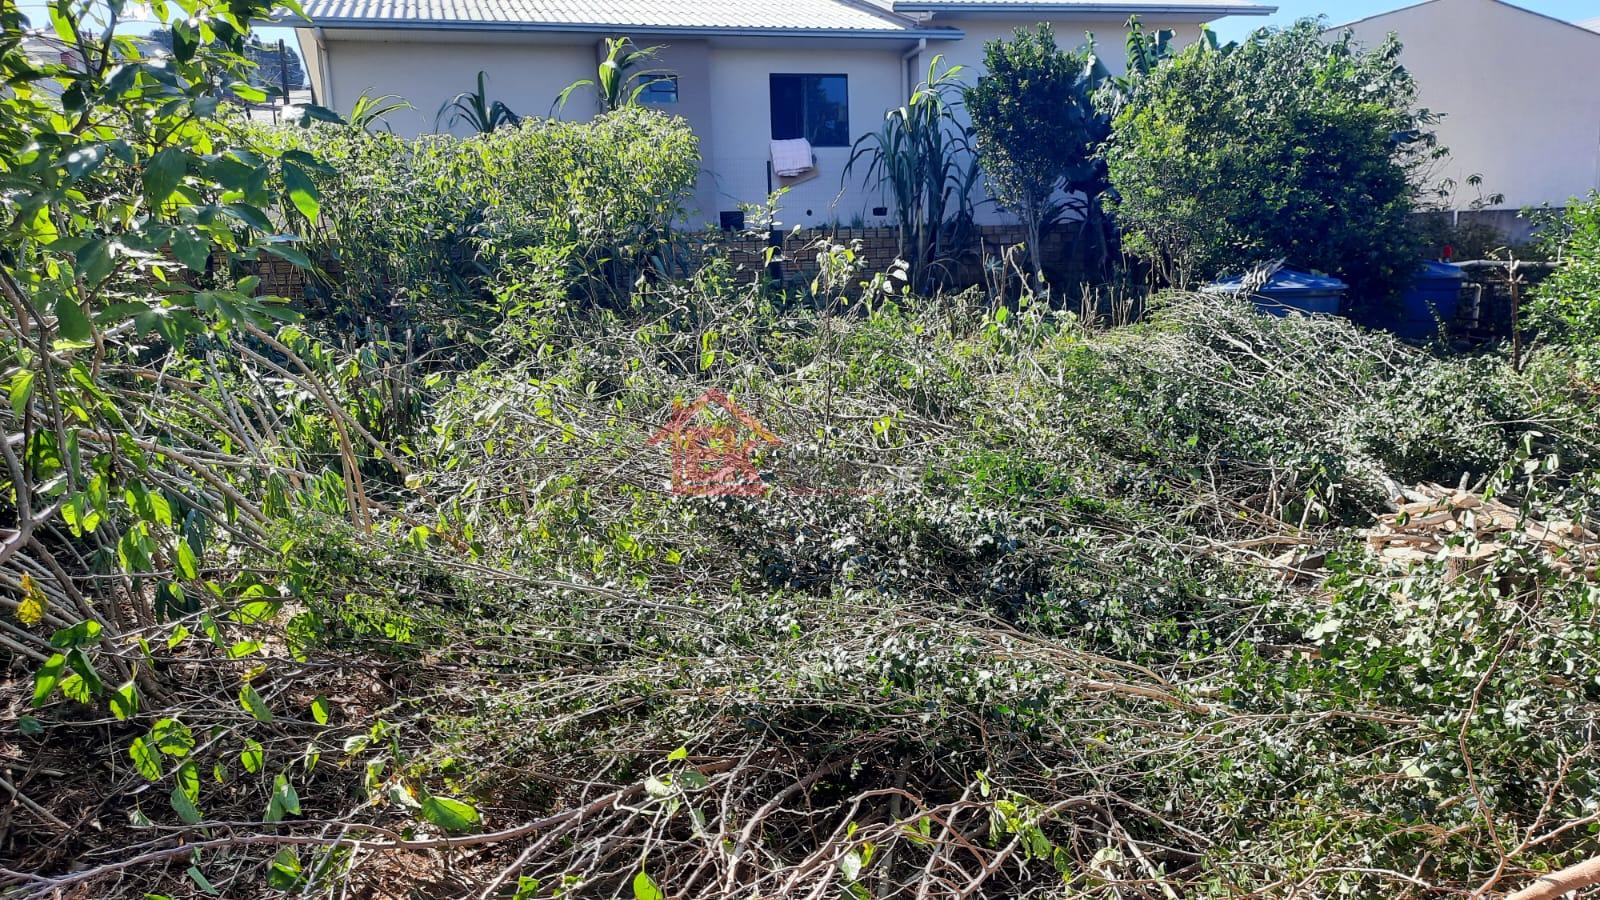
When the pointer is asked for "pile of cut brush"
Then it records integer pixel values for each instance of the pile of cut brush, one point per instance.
(1467, 529)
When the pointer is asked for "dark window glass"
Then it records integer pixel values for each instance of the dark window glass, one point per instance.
(814, 107)
(661, 90)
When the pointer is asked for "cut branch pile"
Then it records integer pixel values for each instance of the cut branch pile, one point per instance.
(1468, 530)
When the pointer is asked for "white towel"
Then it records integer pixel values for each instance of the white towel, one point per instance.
(791, 158)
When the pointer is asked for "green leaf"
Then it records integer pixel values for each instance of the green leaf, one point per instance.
(451, 815)
(125, 701)
(302, 193)
(76, 688)
(200, 881)
(172, 737)
(249, 215)
(71, 323)
(644, 888)
(190, 249)
(84, 632)
(48, 676)
(253, 756)
(79, 663)
(284, 800)
(253, 704)
(188, 779)
(188, 566)
(146, 759)
(29, 726)
(163, 173)
(681, 753)
(83, 160)
(284, 874)
(319, 709)
(187, 811)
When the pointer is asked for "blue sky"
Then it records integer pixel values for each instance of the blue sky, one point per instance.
(1341, 11)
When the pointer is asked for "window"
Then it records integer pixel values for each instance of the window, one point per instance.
(661, 90)
(814, 107)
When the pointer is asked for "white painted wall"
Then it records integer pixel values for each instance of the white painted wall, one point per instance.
(1521, 94)
(741, 131)
(527, 77)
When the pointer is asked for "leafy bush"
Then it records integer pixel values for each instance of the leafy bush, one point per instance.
(414, 228)
(1567, 304)
(1038, 132)
(1287, 146)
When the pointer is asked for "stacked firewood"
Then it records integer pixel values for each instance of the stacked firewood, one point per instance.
(1432, 522)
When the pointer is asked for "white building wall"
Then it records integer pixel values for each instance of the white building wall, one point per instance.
(527, 77)
(738, 150)
(1520, 93)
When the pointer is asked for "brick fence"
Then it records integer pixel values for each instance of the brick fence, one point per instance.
(798, 261)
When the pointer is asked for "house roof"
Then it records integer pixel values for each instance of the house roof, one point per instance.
(1126, 7)
(830, 18)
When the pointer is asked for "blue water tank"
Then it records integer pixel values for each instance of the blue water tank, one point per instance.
(1431, 301)
(1290, 292)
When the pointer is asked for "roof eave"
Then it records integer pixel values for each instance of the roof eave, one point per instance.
(1214, 9)
(631, 30)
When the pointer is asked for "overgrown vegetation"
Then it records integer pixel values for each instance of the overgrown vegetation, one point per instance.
(1288, 146)
(1039, 134)
(1021, 608)
(1568, 304)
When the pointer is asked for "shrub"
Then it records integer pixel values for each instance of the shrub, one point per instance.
(1567, 305)
(416, 227)
(1288, 146)
(1038, 132)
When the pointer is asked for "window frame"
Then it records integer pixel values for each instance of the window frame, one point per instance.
(658, 78)
(804, 111)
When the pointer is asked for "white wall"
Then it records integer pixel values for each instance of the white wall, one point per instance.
(1521, 94)
(527, 77)
(741, 109)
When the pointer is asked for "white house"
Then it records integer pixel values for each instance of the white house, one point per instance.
(1518, 91)
(745, 73)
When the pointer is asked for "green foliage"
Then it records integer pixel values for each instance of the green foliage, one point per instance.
(419, 240)
(619, 80)
(476, 109)
(1289, 146)
(1039, 133)
(1567, 304)
(922, 157)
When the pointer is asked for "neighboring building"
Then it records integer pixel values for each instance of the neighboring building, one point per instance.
(746, 72)
(1518, 93)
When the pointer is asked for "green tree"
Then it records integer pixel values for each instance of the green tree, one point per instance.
(1288, 146)
(1566, 306)
(1038, 132)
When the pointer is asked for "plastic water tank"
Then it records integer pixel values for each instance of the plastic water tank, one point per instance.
(1433, 298)
(1290, 292)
